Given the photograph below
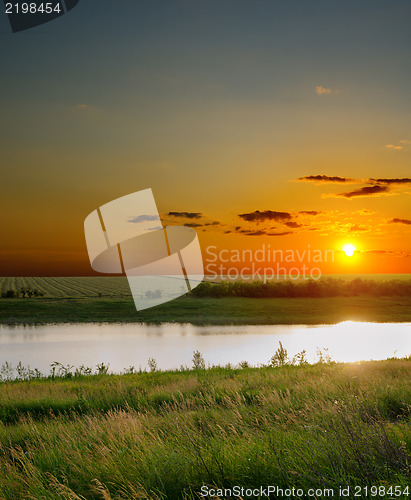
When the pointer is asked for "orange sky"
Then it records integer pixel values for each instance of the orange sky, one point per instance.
(286, 108)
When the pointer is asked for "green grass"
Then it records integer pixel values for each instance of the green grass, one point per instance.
(211, 311)
(108, 299)
(165, 434)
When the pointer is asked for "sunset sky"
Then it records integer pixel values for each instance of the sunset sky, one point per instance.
(269, 122)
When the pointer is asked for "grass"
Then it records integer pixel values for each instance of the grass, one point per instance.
(210, 311)
(166, 434)
(108, 299)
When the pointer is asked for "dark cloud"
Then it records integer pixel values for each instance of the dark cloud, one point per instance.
(263, 232)
(365, 191)
(294, 225)
(186, 215)
(400, 221)
(144, 218)
(404, 180)
(192, 224)
(258, 216)
(326, 178)
(227, 232)
(310, 212)
(215, 223)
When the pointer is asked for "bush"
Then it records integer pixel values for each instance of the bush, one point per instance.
(198, 361)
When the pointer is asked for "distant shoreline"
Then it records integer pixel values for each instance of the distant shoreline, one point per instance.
(207, 311)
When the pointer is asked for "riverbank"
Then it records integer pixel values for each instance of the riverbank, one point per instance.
(165, 435)
(207, 311)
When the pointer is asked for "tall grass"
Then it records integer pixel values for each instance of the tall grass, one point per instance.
(165, 434)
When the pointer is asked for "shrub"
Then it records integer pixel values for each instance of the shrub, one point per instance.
(198, 361)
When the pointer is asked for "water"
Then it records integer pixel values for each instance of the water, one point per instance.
(172, 345)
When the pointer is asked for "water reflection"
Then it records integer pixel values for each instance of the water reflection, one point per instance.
(172, 344)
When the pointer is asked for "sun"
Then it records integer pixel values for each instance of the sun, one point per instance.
(349, 249)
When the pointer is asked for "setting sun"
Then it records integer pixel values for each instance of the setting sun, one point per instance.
(349, 250)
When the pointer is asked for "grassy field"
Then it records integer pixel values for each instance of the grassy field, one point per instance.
(164, 435)
(107, 299)
(208, 311)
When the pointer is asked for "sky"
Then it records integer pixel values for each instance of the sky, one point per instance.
(275, 122)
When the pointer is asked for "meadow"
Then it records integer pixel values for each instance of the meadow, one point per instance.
(108, 299)
(164, 435)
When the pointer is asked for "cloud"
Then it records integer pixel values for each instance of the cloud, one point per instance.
(258, 216)
(400, 221)
(399, 146)
(310, 212)
(356, 227)
(156, 228)
(192, 224)
(320, 90)
(262, 232)
(186, 215)
(214, 223)
(292, 224)
(144, 218)
(328, 179)
(403, 180)
(82, 106)
(377, 189)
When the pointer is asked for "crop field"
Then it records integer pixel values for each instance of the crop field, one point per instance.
(104, 286)
(117, 286)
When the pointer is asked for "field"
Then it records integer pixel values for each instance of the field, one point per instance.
(164, 435)
(100, 286)
(108, 299)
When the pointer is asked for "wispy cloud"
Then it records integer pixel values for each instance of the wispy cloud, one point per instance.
(263, 232)
(356, 228)
(375, 190)
(320, 90)
(400, 146)
(328, 179)
(192, 224)
(293, 224)
(310, 212)
(144, 218)
(402, 180)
